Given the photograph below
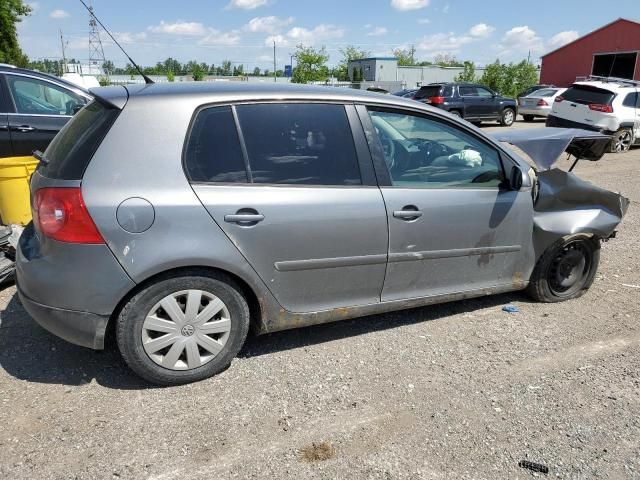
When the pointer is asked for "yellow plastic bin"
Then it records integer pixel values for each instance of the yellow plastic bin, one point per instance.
(15, 173)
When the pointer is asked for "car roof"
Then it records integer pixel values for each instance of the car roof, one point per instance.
(244, 91)
(612, 86)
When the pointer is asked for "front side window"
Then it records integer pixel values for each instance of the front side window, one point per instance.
(426, 153)
(299, 144)
(483, 92)
(34, 96)
(630, 100)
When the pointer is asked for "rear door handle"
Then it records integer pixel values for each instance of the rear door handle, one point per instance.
(24, 128)
(244, 218)
(408, 213)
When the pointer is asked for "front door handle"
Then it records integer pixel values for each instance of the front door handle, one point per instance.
(410, 212)
(24, 128)
(244, 218)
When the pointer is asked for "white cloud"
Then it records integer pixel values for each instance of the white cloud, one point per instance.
(300, 35)
(377, 32)
(216, 38)
(424, 21)
(481, 30)
(271, 24)
(444, 42)
(562, 38)
(406, 5)
(521, 39)
(247, 4)
(179, 28)
(59, 14)
(128, 38)
(445, 9)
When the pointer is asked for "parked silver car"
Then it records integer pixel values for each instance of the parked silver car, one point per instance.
(179, 216)
(538, 103)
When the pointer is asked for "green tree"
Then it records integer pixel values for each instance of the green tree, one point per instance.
(406, 57)
(11, 12)
(509, 79)
(311, 65)
(195, 70)
(446, 60)
(256, 72)
(349, 53)
(171, 77)
(172, 65)
(468, 74)
(238, 71)
(108, 67)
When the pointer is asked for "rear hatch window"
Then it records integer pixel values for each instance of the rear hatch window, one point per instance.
(428, 91)
(586, 94)
(70, 152)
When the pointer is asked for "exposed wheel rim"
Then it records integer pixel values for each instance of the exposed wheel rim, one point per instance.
(570, 269)
(186, 329)
(508, 117)
(622, 141)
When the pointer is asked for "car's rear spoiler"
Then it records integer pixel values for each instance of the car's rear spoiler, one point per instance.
(545, 145)
(115, 96)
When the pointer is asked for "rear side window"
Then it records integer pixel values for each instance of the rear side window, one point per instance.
(71, 150)
(468, 91)
(631, 100)
(309, 144)
(586, 94)
(428, 91)
(213, 151)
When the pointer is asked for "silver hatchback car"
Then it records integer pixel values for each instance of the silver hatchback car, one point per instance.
(178, 217)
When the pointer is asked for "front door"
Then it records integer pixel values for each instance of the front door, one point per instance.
(453, 225)
(40, 110)
(489, 102)
(296, 197)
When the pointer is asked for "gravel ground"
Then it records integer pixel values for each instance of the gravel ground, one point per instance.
(461, 390)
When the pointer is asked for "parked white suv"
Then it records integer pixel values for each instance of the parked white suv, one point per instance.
(610, 106)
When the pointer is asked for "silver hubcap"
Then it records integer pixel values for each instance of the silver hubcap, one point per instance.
(508, 117)
(623, 142)
(186, 329)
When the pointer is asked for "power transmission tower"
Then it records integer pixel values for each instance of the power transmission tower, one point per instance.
(96, 52)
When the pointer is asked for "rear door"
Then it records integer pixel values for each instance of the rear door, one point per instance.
(40, 108)
(489, 103)
(473, 105)
(296, 193)
(5, 139)
(453, 224)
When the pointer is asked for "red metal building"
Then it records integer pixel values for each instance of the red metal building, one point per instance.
(610, 51)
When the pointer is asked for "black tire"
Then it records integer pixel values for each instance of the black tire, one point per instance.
(508, 117)
(130, 321)
(455, 113)
(528, 118)
(546, 280)
(621, 141)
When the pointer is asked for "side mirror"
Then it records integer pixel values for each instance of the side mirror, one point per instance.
(515, 179)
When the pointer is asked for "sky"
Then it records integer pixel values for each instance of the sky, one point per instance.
(243, 31)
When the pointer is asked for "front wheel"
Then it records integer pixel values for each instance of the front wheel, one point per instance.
(621, 141)
(508, 117)
(566, 270)
(183, 329)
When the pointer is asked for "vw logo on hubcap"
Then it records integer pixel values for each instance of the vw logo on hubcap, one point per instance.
(188, 330)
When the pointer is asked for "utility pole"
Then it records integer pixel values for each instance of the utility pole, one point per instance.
(275, 77)
(64, 57)
(529, 58)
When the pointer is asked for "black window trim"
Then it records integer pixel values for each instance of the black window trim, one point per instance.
(365, 165)
(377, 152)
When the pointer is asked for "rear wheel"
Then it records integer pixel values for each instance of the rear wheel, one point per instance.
(183, 329)
(508, 117)
(566, 270)
(621, 140)
(528, 118)
(455, 113)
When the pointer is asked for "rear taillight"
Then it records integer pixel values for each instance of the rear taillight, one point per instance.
(601, 107)
(542, 103)
(436, 100)
(559, 99)
(60, 214)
